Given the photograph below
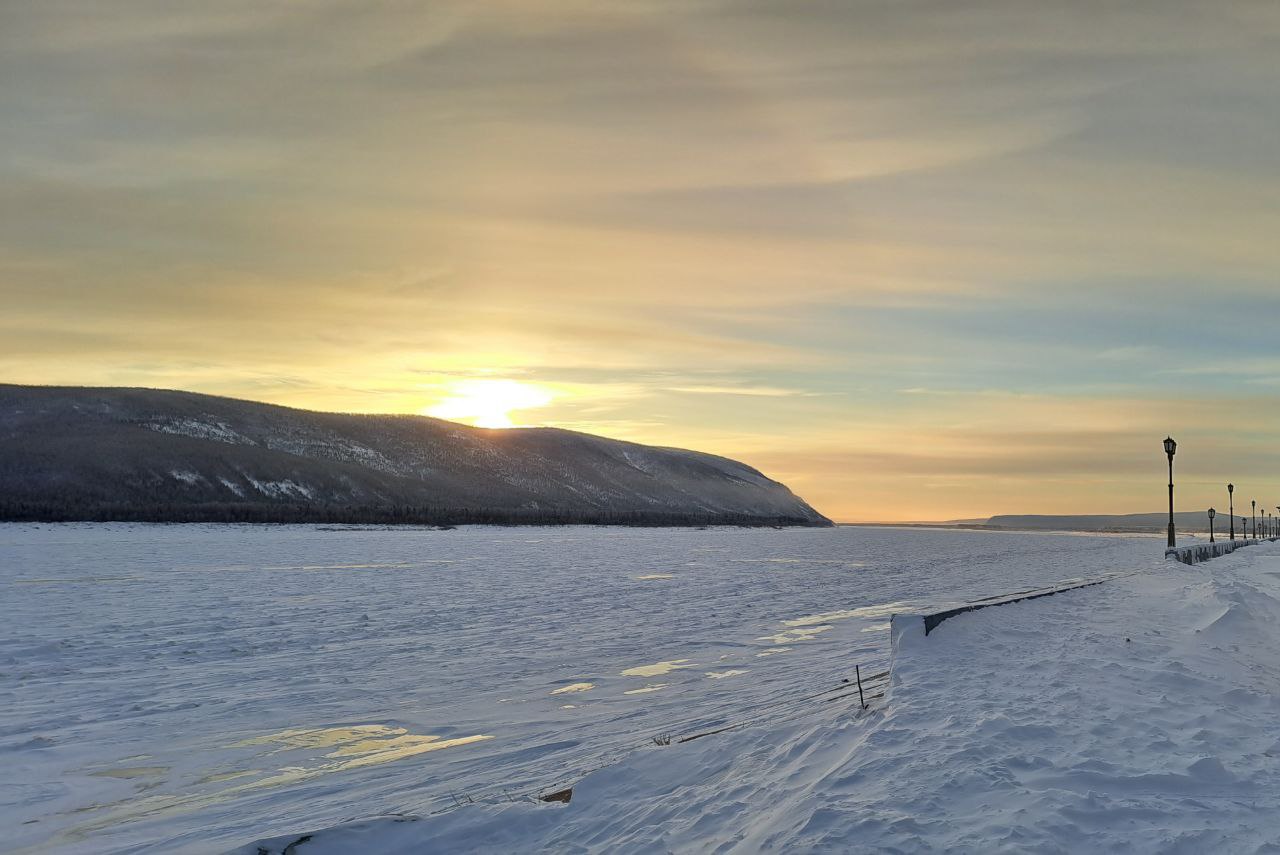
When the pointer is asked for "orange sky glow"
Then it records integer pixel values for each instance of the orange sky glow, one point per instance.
(918, 262)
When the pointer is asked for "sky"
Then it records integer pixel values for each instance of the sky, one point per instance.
(919, 259)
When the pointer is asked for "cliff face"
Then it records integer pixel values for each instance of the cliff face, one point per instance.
(98, 453)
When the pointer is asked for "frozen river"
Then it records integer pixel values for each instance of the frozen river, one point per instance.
(190, 688)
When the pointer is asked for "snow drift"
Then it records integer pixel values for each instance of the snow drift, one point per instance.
(1136, 716)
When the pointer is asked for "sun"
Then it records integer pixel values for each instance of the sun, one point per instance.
(489, 403)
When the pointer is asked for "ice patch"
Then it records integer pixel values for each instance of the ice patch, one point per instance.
(353, 747)
(574, 687)
(658, 668)
(881, 610)
(772, 651)
(791, 636)
(646, 690)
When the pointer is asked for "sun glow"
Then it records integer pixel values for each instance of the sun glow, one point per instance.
(489, 403)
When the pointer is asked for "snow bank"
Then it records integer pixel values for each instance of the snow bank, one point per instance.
(1139, 715)
(1199, 552)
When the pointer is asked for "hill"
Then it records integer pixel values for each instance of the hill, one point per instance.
(71, 453)
(1157, 522)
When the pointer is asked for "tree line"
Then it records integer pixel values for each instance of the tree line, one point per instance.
(17, 510)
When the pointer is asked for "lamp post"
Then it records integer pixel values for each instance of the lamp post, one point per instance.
(1211, 514)
(1170, 447)
(1254, 502)
(1231, 499)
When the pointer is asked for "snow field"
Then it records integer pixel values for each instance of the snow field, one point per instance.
(1136, 716)
(191, 688)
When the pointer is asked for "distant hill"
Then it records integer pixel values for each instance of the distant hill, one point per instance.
(70, 453)
(1184, 521)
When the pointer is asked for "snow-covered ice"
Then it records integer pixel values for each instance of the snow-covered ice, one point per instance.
(1136, 716)
(191, 688)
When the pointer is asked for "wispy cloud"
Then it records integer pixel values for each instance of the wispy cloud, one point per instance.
(750, 391)
(843, 240)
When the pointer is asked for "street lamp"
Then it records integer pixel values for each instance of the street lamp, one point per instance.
(1231, 498)
(1170, 447)
(1254, 502)
(1211, 514)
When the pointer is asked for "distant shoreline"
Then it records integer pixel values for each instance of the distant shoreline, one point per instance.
(301, 514)
(1030, 529)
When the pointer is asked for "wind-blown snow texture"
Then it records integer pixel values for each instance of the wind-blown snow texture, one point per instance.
(193, 688)
(1136, 716)
(72, 453)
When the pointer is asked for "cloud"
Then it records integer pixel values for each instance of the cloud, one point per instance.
(750, 391)
(849, 239)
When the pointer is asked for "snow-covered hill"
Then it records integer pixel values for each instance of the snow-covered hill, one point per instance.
(92, 453)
